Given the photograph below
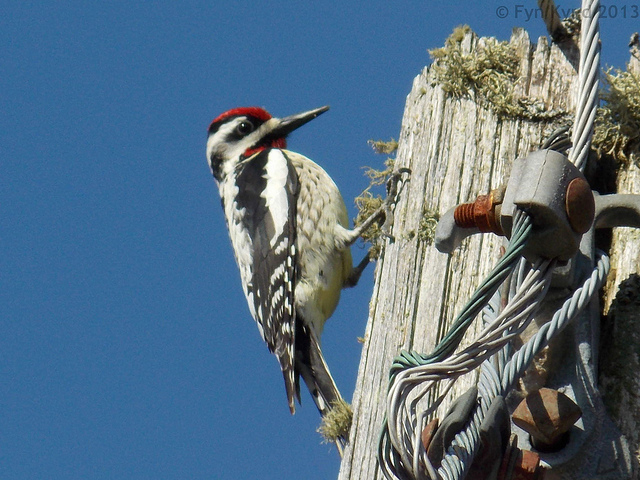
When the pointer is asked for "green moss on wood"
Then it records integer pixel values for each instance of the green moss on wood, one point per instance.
(427, 227)
(617, 125)
(487, 75)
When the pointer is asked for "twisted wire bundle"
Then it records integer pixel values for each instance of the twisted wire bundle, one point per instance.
(414, 376)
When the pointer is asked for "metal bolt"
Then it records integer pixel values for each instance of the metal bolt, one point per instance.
(547, 415)
(580, 205)
(481, 213)
(427, 433)
(520, 464)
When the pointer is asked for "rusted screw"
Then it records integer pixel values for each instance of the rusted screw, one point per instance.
(580, 205)
(547, 415)
(481, 213)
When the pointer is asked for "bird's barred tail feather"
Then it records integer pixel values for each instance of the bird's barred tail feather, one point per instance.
(291, 386)
(314, 370)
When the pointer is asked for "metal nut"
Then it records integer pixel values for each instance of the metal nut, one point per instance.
(547, 415)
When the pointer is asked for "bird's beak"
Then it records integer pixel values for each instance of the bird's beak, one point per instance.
(288, 124)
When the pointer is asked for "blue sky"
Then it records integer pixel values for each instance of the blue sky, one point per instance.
(126, 346)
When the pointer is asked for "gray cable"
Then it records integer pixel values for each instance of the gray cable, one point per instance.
(588, 83)
(459, 457)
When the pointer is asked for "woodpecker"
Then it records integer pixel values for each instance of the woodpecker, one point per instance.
(289, 230)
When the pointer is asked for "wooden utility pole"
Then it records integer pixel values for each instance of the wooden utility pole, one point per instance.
(620, 352)
(468, 117)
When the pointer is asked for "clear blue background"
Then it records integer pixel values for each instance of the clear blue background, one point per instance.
(126, 346)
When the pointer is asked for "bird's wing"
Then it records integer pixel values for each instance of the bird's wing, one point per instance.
(268, 190)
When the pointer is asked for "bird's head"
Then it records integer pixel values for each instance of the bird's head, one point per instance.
(241, 132)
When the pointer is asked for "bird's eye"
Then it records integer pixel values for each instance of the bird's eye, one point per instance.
(245, 127)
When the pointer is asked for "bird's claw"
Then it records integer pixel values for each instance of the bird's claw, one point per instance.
(395, 184)
(395, 180)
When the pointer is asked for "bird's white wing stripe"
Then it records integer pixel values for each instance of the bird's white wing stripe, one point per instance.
(275, 194)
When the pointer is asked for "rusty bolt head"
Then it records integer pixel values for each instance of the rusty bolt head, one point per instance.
(428, 432)
(485, 213)
(547, 415)
(580, 205)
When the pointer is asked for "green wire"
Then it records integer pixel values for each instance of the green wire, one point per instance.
(447, 346)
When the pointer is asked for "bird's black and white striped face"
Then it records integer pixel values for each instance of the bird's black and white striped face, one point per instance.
(235, 135)
(241, 132)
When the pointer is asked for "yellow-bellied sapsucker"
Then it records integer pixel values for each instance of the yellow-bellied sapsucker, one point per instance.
(289, 230)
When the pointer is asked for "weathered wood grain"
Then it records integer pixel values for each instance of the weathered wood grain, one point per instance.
(620, 355)
(456, 150)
